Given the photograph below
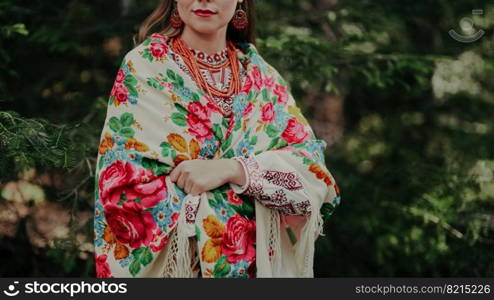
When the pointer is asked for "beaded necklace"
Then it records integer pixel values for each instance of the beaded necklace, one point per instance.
(193, 64)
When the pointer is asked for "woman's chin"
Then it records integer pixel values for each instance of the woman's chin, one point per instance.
(205, 28)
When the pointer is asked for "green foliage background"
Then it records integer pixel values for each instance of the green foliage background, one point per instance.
(414, 163)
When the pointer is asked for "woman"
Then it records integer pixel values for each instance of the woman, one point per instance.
(206, 166)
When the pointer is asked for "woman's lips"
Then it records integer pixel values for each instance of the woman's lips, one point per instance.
(203, 13)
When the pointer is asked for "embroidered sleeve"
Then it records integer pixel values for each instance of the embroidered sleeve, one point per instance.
(273, 188)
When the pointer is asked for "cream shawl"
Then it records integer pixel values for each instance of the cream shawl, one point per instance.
(158, 117)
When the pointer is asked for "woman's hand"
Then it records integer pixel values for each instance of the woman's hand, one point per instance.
(200, 175)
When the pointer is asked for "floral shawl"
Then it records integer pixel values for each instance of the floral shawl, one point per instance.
(157, 117)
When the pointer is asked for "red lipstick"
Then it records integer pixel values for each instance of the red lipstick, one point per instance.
(204, 12)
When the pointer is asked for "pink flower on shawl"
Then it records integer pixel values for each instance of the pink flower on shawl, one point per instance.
(160, 240)
(174, 218)
(130, 224)
(239, 239)
(199, 121)
(269, 82)
(158, 50)
(124, 178)
(102, 267)
(247, 85)
(120, 76)
(268, 112)
(281, 92)
(120, 92)
(248, 109)
(158, 36)
(295, 132)
(257, 78)
(233, 198)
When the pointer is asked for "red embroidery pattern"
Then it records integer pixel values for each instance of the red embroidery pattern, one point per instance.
(288, 180)
(191, 208)
(278, 199)
(255, 187)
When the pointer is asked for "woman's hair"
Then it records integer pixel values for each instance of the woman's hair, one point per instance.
(159, 21)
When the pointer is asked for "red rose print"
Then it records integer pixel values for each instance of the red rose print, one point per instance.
(159, 241)
(281, 92)
(120, 76)
(248, 109)
(120, 92)
(124, 178)
(233, 198)
(174, 218)
(102, 267)
(295, 132)
(158, 36)
(268, 112)
(247, 86)
(269, 82)
(199, 121)
(238, 239)
(257, 78)
(130, 224)
(158, 50)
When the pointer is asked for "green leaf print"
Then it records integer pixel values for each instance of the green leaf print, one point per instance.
(155, 166)
(246, 210)
(126, 119)
(146, 257)
(115, 124)
(127, 131)
(135, 267)
(217, 131)
(142, 255)
(271, 131)
(212, 203)
(179, 119)
(154, 83)
(253, 140)
(221, 268)
(198, 233)
(180, 108)
(265, 96)
(195, 97)
(132, 91)
(170, 74)
(147, 55)
(227, 143)
(273, 143)
(180, 81)
(166, 149)
(229, 154)
(100, 164)
(130, 80)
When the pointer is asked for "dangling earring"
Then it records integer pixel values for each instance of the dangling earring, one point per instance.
(175, 19)
(240, 20)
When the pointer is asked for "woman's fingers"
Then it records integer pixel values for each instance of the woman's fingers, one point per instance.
(175, 173)
(188, 186)
(182, 179)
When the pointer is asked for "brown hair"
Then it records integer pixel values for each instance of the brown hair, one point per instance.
(159, 21)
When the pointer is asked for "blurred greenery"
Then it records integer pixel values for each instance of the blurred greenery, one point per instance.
(406, 110)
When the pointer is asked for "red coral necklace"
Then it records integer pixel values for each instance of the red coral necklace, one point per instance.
(193, 63)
